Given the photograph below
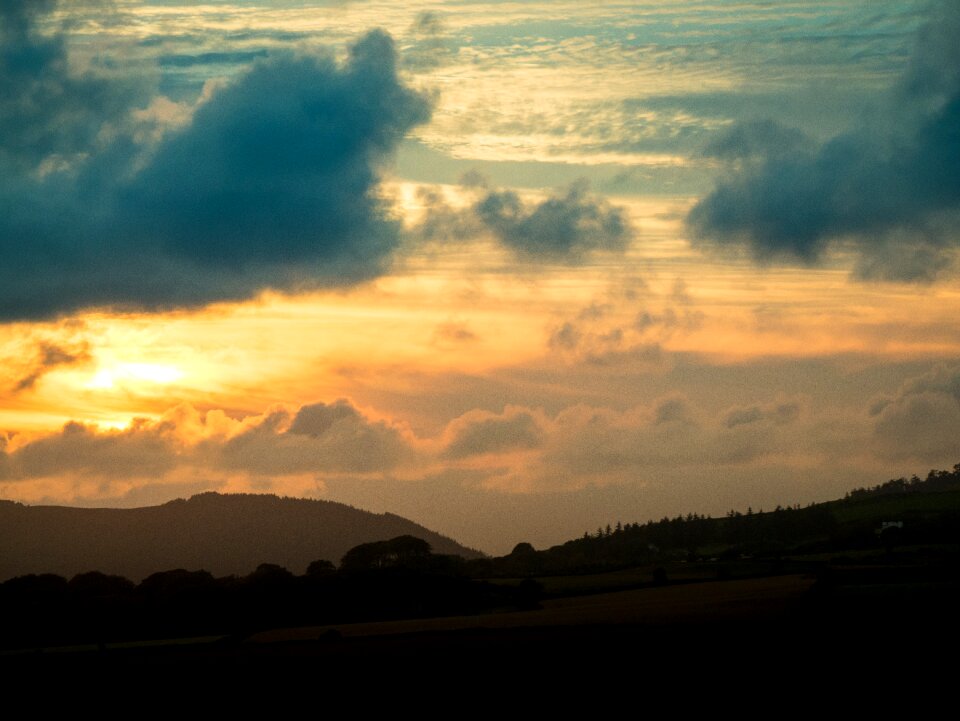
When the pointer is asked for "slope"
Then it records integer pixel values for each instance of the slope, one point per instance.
(223, 534)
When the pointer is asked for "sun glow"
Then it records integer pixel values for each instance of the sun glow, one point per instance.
(124, 373)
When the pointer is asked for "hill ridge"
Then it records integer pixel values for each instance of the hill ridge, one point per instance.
(226, 534)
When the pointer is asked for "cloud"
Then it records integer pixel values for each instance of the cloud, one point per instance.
(562, 228)
(273, 184)
(674, 410)
(316, 420)
(922, 419)
(565, 228)
(566, 337)
(49, 112)
(779, 413)
(453, 333)
(577, 446)
(495, 471)
(757, 139)
(675, 441)
(236, 57)
(480, 432)
(602, 333)
(943, 379)
(889, 187)
(318, 438)
(429, 46)
(49, 357)
(279, 169)
(142, 450)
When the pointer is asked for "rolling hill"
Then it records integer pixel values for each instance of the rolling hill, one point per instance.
(223, 534)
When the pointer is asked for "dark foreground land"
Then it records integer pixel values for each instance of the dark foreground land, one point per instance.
(847, 624)
(859, 597)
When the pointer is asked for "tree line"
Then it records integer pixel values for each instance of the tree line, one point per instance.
(398, 578)
(849, 523)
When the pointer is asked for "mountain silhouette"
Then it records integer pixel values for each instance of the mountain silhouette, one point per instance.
(223, 534)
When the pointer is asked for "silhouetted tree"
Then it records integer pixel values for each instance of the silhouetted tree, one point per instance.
(522, 549)
(399, 551)
(95, 584)
(321, 567)
(176, 582)
(269, 574)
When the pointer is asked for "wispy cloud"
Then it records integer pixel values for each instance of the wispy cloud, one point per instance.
(49, 357)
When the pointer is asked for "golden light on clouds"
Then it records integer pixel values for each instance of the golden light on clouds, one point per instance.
(124, 374)
(285, 349)
(468, 308)
(502, 285)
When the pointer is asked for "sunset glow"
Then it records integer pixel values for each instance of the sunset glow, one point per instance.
(480, 264)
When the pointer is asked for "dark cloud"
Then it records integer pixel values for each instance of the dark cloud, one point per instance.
(273, 184)
(562, 228)
(757, 139)
(279, 169)
(890, 186)
(49, 112)
(211, 58)
(565, 228)
(934, 70)
(49, 357)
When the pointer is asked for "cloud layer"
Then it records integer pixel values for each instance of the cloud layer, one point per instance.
(676, 452)
(316, 439)
(274, 183)
(520, 448)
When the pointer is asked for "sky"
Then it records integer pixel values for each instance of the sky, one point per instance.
(513, 270)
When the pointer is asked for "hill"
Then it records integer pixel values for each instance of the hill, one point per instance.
(899, 513)
(223, 534)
